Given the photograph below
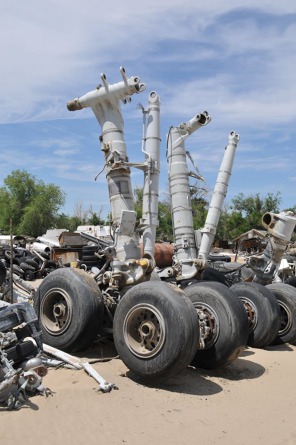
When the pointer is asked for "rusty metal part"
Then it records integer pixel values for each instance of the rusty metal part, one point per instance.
(163, 254)
(251, 313)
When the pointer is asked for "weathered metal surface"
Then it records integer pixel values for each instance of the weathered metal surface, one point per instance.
(78, 363)
(105, 104)
(178, 172)
(163, 254)
(280, 228)
(64, 255)
(71, 239)
(220, 190)
(21, 369)
(187, 263)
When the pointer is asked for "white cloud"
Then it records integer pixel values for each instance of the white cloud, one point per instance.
(57, 47)
(235, 59)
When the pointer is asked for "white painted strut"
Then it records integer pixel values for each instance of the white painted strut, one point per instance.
(184, 237)
(216, 204)
(105, 104)
(127, 266)
(151, 149)
(185, 257)
(79, 364)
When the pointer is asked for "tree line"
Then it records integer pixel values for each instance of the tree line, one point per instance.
(33, 206)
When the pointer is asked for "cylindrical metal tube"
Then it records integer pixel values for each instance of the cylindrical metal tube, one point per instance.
(163, 254)
(105, 104)
(151, 175)
(220, 190)
(279, 225)
(74, 105)
(179, 187)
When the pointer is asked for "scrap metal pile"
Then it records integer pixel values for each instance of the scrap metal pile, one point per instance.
(27, 264)
(21, 367)
(57, 248)
(275, 264)
(24, 358)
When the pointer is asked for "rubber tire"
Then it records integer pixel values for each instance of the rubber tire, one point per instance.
(46, 271)
(213, 275)
(17, 270)
(51, 263)
(8, 255)
(25, 267)
(37, 259)
(90, 258)
(89, 249)
(2, 273)
(291, 281)
(232, 319)
(32, 263)
(286, 296)
(87, 308)
(180, 326)
(266, 310)
(154, 276)
(29, 275)
(14, 261)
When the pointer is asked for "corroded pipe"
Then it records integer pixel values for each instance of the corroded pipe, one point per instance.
(163, 254)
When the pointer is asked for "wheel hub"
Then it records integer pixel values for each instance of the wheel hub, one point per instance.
(286, 319)
(251, 313)
(59, 310)
(147, 330)
(144, 330)
(208, 325)
(56, 311)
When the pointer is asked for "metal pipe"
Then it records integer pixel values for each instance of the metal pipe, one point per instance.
(80, 364)
(184, 237)
(105, 104)
(220, 190)
(151, 176)
(11, 263)
(42, 248)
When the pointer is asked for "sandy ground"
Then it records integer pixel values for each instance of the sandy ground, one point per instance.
(252, 401)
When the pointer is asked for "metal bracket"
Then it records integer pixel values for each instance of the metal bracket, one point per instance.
(127, 223)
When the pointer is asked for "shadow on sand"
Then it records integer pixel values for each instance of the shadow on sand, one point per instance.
(194, 381)
(198, 381)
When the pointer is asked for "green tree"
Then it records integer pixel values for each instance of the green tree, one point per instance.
(245, 214)
(253, 207)
(95, 218)
(164, 231)
(67, 222)
(199, 206)
(231, 225)
(32, 204)
(138, 200)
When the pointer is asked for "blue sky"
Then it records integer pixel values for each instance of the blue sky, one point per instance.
(237, 62)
